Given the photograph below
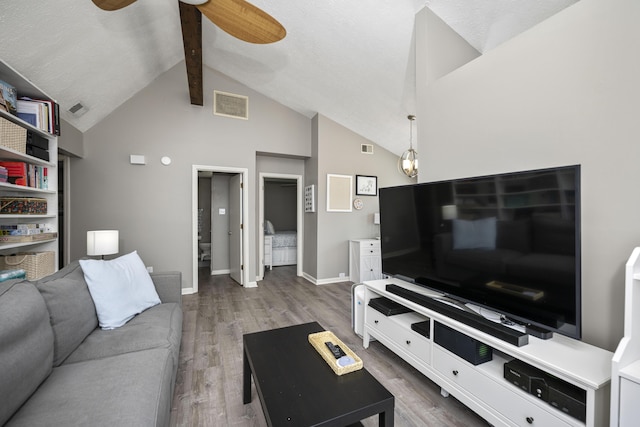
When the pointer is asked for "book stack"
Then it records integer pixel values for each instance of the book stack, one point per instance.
(37, 146)
(28, 175)
(40, 113)
(16, 172)
(24, 229)
(4, 174)
(7, 97)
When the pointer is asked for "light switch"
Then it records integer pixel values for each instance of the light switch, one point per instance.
(137, 159)
(222, 211)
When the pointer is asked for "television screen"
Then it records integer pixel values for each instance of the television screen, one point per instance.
(508, 242)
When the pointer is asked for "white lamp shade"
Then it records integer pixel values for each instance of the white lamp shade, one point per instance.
(102, 242)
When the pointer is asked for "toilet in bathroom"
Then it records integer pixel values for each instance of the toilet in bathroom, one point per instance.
(205, 251)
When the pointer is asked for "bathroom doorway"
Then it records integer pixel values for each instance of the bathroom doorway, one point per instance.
(220, 235)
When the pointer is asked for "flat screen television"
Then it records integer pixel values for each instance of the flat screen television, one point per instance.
(506, 242)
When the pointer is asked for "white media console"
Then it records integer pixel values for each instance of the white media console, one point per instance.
(483, 387)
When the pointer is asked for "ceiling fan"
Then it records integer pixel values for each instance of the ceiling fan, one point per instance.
(236, 17)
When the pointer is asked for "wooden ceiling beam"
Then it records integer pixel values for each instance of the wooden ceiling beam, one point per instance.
(191, 22)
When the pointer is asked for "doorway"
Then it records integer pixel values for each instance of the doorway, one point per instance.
(228, 228)
(294, 183)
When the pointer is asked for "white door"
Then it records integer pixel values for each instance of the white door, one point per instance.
(235, 228)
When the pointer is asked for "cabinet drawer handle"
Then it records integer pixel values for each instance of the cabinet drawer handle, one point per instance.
(375, 321)
(530, 420)
(454, 372)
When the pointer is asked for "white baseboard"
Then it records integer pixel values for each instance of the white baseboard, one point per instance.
(188, 291)
(324, 281)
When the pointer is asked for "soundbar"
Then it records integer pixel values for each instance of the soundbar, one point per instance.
(476, 321)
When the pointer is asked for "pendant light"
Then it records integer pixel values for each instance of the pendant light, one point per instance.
(408, 162)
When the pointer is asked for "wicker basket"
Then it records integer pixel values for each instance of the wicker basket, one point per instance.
(318, 339)
(35, 264)
(13, 136)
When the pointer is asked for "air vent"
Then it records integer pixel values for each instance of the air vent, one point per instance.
(78, 109)
(366, 149)
(230, 105)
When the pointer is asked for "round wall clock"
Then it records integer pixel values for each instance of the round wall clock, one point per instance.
(357, 203)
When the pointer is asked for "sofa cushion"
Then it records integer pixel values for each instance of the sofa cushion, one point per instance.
(120, 288)
(73, 315)
(157, 327)
(26, 344)
(132, 389)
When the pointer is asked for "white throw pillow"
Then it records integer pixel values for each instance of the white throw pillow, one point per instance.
(120, 288)
(268, 228)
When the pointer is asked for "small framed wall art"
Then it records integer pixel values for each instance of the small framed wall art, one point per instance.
(366, 185)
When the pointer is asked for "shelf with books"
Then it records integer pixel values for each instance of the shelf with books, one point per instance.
(20, 150)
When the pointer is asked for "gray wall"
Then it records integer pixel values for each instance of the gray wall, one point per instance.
(151, 205)
(220, 222)
(280, 204)
(564, 92)
(338, 152)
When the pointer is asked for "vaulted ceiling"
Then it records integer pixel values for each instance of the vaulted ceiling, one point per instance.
(351, 61)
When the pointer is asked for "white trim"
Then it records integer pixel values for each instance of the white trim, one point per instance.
(245, 219)
(188, 291)
(325, 281)
(66, 208)
(299, 219)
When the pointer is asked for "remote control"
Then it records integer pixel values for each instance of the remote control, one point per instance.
(335, 350)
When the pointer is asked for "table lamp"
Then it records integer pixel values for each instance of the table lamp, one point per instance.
(102, 242)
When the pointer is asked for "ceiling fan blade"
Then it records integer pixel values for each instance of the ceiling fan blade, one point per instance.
(112, 4)
(191, 22)
(243, 21)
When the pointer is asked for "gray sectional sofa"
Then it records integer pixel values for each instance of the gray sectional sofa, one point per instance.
(57, 368)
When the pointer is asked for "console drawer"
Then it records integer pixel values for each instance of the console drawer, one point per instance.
(397, 329)
(504, 398)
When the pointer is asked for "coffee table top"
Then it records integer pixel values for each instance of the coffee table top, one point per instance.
(297, 387)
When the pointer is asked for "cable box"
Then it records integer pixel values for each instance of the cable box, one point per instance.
(422, 328)
(560, 394)
(387, 306)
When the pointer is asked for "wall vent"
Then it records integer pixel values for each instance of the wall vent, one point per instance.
(230, 105)
(78, 109)
(366, 149)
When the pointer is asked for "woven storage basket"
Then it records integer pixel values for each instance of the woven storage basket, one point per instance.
(13, 136)
(318, 339)
(35, 264)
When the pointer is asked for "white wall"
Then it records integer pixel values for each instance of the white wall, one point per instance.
(151, 204)
(564, 92)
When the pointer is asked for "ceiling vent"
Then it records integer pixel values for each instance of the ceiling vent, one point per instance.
(78, 109)
(230, 105)
(366, 148)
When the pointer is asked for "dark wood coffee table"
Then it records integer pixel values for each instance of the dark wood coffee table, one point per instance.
(297, 388)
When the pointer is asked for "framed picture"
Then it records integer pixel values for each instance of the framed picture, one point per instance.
(339, 193)
(366, 185)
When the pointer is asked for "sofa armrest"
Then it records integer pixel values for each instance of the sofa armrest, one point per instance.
(168, 285)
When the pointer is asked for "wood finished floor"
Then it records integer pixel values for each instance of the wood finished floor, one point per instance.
(209, 383)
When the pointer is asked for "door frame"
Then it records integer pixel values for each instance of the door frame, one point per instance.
(299, 217)
(244, 219)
